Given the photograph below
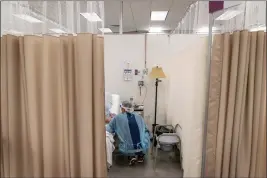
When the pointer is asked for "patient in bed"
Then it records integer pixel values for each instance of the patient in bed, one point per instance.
(109, 136)
(109, 115)
(108, 105)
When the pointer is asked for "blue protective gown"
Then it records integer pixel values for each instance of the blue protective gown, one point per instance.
(131, 131)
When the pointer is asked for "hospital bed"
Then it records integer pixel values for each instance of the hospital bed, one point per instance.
(110, 147)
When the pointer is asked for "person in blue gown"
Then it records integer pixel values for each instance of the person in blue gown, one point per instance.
(131, 130)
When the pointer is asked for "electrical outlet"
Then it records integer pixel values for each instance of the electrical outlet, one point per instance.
(145, 71)
(136, 72)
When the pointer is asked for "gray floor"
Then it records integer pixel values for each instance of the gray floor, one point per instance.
(167, 166)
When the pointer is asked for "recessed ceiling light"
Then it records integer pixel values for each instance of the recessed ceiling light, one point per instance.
(229, 14)
(105, 30)
(27, 18)
(92, 17)
(57, 30)
(158, 15)
(155, 29)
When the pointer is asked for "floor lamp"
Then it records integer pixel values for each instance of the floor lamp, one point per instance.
(156, 74)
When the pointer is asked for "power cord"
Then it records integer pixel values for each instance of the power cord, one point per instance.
(145, 94)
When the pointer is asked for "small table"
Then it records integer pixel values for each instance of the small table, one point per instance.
(139, 109)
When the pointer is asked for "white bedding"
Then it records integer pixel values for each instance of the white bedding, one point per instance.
(109, 147)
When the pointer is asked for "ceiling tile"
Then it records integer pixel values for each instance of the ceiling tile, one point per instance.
(176, 13)
(161, 5)
(141, 12)
(136, 14)
(128, 18)
(112, 13)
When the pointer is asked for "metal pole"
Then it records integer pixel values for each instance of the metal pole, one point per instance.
(121, 19)
(78, 10)
(59, 14)
(203, 168)
(245, 13)
(1, 151)
(101, 9)
(87, 23)
(145, 50)
(44, 13)
(156, 103)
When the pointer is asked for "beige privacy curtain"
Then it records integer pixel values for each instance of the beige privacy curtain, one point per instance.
(236, 140)
(52, 106)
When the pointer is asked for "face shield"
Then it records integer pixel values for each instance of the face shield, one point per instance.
(127, 106)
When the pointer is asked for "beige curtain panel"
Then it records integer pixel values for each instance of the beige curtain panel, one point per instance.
(236, 139)
(52, 106)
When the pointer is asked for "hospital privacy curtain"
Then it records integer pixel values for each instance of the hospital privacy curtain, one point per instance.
(52, 106)
(236, 139)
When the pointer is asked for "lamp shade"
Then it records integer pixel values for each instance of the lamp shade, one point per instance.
(157, 72)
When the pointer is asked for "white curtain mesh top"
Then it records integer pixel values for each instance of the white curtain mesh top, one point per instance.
(63, 15)
(196, 20)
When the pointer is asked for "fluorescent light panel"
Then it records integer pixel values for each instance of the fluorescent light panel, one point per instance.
(27, 18)
(13, 32)
(105, 30)
(259, 28)
(155, 29)
(92, 17)
(158, 15)
(57, 30)
(229, 14)
(205, 30)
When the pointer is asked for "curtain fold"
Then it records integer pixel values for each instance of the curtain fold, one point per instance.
(52, 106)
(236, 135)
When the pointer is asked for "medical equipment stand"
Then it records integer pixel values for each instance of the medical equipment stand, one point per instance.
(156, 73)
(205, 132)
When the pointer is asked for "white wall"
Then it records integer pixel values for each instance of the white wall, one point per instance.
(119, 49)
(157, 54)
(122, 48)
(161, 50)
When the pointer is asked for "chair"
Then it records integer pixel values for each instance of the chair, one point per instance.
(166, 142)
(117, 152)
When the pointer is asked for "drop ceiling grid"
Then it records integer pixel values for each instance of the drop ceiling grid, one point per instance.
(136, 15)
(141, 14)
